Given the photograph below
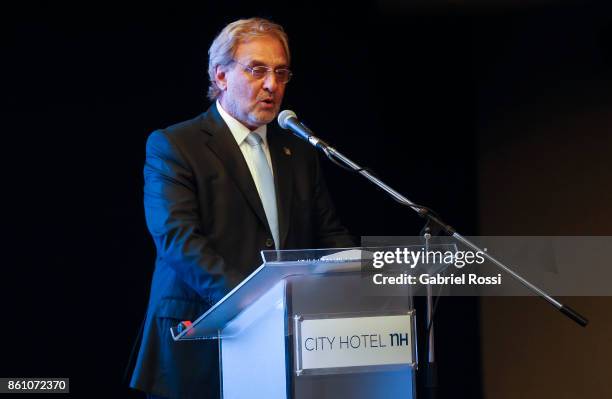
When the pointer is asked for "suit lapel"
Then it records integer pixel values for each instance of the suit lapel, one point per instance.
(223, 144)
(280, 153)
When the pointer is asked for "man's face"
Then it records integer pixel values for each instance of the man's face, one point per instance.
(254, 102)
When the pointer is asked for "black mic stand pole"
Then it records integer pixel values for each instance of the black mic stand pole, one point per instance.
(429, 368)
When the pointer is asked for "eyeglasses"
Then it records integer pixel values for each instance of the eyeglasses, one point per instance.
(283, 75)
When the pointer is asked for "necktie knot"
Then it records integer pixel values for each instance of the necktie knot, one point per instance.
(254, 139)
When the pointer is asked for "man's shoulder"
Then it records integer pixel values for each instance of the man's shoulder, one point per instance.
(184, 128)
(179, 137)
(187, 131)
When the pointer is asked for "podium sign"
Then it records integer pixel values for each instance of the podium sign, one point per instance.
(347, 343)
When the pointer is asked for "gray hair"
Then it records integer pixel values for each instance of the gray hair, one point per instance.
(223, 48)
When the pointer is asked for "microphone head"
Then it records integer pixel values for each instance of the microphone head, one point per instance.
(284, 116)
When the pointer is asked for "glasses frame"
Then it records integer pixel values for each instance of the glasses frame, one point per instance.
(268, 70)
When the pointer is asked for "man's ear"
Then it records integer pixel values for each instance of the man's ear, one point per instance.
(220, 78)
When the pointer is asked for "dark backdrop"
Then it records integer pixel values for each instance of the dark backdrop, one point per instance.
(83, 86)
(397, 88)
(545, 166)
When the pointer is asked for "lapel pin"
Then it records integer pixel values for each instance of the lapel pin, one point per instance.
(287, 151)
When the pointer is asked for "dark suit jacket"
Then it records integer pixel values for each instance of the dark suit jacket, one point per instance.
(208, 223)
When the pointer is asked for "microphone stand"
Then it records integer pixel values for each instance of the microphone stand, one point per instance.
(430, 378)
(429, 368)
(437, 222)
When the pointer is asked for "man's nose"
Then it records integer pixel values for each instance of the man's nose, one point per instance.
(271, 81)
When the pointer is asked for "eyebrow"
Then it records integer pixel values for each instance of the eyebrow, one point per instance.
(258, 63)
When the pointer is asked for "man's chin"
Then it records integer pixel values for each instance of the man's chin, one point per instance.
(265, 117)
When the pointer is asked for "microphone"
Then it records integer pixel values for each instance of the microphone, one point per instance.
(288, 120)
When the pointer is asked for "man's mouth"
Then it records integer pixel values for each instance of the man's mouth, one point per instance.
(267, 102)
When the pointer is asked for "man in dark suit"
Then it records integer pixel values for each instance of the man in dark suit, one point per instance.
(219, 189)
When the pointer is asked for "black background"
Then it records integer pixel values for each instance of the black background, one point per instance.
(401, 89)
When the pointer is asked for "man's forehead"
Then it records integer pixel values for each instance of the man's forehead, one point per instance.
(262, 50)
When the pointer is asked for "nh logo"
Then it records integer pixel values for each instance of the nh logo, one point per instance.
(399, 339)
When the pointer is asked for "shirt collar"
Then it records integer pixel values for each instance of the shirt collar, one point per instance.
(239, 131)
